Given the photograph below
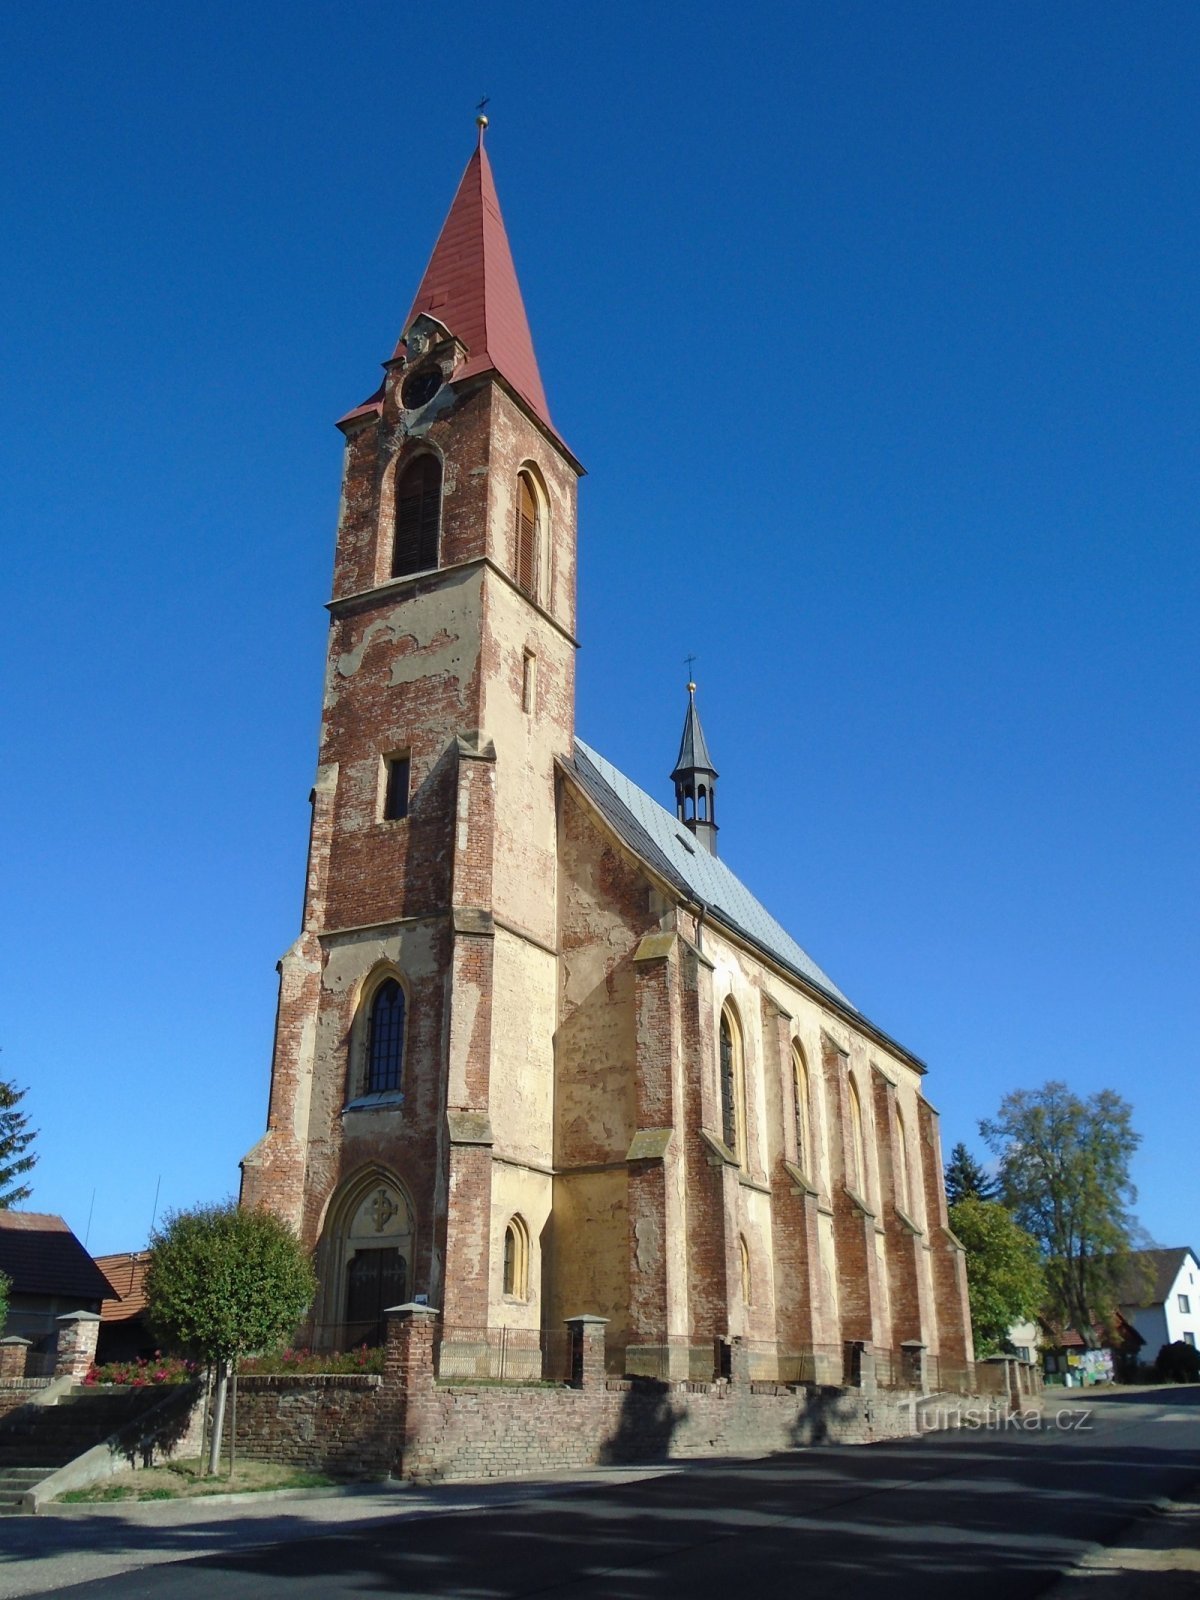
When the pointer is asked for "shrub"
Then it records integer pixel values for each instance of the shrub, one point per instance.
(1177, 1363)
(365, 1358)
(144, 1372)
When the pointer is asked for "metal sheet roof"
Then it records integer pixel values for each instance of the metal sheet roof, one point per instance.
(665, 844)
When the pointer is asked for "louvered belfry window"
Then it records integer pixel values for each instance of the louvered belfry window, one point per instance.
(418, 516)
(527, 537)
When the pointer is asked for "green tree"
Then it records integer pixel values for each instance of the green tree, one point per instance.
(223, 1281)
(1064, 1174)
(5, 1286)
(15, 1138)
(966, 1177)
(1005, 1280)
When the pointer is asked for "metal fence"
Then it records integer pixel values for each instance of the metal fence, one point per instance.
(503, 1355)
(335, 1336)
(673, 1359)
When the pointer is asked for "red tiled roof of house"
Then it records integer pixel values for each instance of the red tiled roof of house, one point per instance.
(127, 1274)
(42, 1256)
(470, 285)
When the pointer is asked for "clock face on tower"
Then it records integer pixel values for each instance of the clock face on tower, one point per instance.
(419, 388)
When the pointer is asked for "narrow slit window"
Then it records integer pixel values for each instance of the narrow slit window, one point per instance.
(529, 683)
(395, 792)
(418, 516)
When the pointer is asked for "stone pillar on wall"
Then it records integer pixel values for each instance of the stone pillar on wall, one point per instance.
(658, 1310)
(902, 1236)
(273, 1171)
(408, 1381)
(12, 1357)
(853, 1219)
(78, 1332)
(794, 1202)
(587, 1351)
(707, 1223)
(467, 1266)
(948, 1258)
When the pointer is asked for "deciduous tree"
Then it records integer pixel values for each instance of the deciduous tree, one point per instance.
(16, 1136)
(222, 1281)
(1064, 1174)
(1005, 1280)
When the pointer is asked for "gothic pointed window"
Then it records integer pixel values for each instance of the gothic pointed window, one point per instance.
(385, 1038)
(418, 516)
(516, 1260)
(858, 1143)
(800, 1084)
(528, 535)
(732, 1086)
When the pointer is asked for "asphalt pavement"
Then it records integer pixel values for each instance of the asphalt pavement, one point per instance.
(995, 1510)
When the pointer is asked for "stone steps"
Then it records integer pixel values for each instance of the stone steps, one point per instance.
(39, 1439)
(15, 1483)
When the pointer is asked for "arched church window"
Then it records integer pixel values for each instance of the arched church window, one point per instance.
(418, 516)
(529, 519)
(903, 1186)
(732, 1090)
(385, 1038)
(516, 1259)
(800, 1085)
(859, 1150)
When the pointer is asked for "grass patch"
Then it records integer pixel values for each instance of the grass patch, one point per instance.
(183, 1480)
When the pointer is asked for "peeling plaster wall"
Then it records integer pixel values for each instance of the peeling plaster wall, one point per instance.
(522, 1077)
(590, 1230)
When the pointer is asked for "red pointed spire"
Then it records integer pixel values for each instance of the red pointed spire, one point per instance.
(470, 285)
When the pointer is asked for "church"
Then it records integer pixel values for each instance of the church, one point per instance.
(538, 1052)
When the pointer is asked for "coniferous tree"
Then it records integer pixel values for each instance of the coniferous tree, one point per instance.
(966, 1178)
(15, 1138)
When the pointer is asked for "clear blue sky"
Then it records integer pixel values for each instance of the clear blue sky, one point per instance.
(876, 328)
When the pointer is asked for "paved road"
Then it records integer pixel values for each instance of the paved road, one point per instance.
(994, 1513)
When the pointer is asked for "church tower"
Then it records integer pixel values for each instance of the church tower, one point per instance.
(417, 1008)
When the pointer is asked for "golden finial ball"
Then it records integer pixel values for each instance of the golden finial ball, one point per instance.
(481, 121)
(691, 688)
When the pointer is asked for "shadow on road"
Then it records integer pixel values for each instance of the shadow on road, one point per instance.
(993, 1513)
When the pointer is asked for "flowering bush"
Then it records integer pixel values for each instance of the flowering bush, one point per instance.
(363, 1359)
(144, 1371)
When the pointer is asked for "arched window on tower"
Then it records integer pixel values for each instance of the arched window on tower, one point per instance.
(418, 516)
(385, 1038)
(529, 532)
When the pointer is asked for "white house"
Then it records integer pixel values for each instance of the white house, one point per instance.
(1161, 1301)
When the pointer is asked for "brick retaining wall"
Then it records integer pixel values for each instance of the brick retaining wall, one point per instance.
(408, 1424)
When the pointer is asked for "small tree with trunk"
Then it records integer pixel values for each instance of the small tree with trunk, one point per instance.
(15, 1138)
(224, 1281)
